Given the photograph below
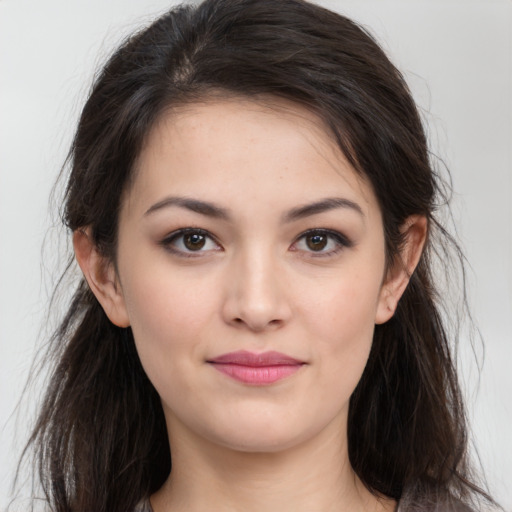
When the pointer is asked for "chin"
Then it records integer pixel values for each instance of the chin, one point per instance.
(260, 438)
(260, 445)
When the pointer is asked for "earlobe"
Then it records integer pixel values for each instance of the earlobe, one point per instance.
(101, 277)
(414, 230)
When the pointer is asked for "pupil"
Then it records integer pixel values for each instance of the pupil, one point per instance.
(316, 242)
(194, 241)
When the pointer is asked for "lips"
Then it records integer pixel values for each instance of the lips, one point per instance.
(256, 369)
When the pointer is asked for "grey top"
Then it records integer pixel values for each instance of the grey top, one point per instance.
(143, 506)
(455, 506)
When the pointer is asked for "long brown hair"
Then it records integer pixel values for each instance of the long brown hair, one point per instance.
(100, 438)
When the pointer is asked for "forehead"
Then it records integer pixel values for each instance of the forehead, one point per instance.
(224, 149)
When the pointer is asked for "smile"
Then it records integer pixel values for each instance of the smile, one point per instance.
(256, 369)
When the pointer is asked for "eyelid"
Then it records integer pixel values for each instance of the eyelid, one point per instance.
(167, 242)
(341, 240)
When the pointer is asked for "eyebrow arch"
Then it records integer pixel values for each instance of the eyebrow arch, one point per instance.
(195, 205)
(329, 203)
(212, 210)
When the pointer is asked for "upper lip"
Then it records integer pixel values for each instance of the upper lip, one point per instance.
(245, 358)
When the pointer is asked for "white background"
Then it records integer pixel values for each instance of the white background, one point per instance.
(457, 57)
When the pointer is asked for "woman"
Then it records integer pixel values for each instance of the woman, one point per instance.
(253, 209)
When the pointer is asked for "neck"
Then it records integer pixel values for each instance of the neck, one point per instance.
(314, 475)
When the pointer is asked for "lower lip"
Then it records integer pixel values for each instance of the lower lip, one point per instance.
(257, 375)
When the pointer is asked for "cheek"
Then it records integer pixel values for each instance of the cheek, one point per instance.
(168, 318)
(162, 300)
(342, 320)
(346, 305)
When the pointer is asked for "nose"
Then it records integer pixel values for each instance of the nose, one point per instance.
(256, 297)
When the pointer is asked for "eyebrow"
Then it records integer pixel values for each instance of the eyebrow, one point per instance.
(324, 205)
(195, 205)
(211, 210)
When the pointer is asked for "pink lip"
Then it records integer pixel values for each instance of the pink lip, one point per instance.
(256, 369)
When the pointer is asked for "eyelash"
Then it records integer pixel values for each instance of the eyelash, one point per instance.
(340, 240)
(171, 239)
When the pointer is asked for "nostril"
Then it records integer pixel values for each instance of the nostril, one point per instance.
(255, 325)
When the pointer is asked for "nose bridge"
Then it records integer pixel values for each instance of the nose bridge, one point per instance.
(256, 296)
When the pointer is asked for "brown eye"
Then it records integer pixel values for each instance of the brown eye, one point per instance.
(316, 242)
(321, 243)
(194, 241)
(190, 241)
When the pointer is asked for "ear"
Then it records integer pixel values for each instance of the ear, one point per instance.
(414, 231)
(101, 277)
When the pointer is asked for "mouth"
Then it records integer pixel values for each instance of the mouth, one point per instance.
(256, 369)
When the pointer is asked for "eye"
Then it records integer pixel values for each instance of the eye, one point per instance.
(322, 242)
(188, 241)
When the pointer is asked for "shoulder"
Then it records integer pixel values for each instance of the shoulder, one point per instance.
(448, 504)
(143, 506)
(438, 507)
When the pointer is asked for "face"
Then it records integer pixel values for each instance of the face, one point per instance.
(250, 267)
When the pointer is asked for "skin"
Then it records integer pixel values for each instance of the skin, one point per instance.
(258, 283)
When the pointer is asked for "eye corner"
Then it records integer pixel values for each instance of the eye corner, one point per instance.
(333, 240)
(176, 243)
